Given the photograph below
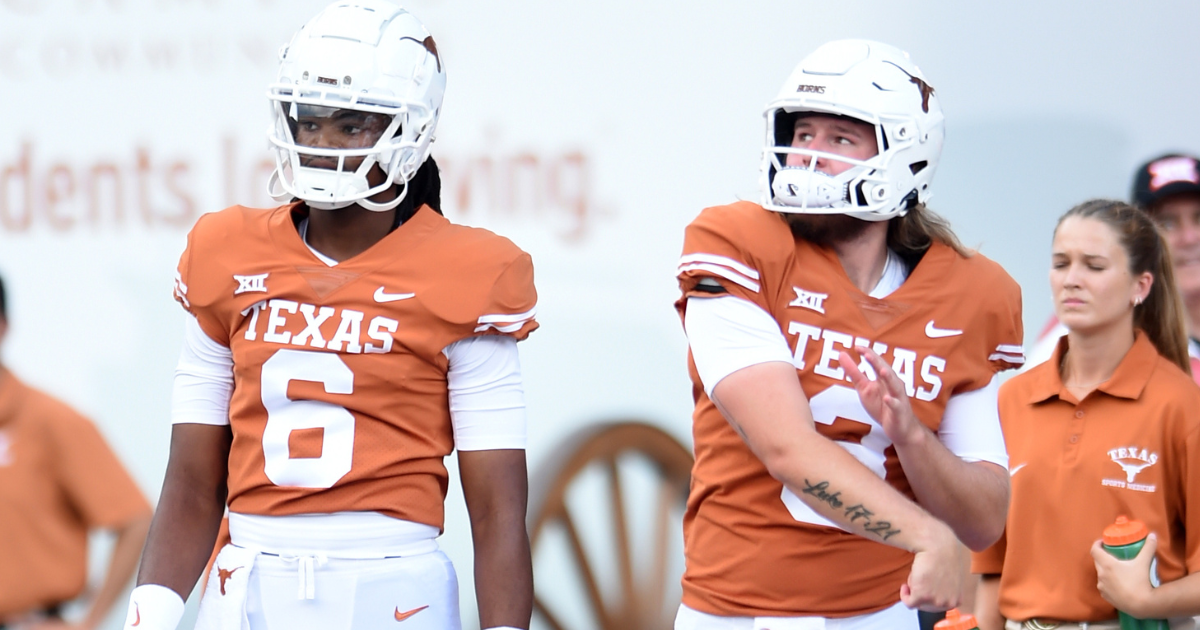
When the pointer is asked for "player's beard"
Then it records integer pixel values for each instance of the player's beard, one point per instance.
(826, 230)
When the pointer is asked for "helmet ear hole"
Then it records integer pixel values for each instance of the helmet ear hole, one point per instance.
(917, 167)
(785, 127)
(860, 194)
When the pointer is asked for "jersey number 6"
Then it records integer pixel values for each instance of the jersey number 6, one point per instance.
(285, 415)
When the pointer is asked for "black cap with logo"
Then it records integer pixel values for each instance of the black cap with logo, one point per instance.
(1164, 176)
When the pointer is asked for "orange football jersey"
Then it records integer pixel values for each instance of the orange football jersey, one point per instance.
(340, 396)
(753, 548)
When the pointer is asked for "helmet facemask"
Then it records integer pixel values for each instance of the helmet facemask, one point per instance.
(806, 190)
(325, 153)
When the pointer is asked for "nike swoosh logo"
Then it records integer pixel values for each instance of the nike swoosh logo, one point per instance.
(938, 333)
(401, 616)
(1015, 469)
(380, 296)
(137, 611)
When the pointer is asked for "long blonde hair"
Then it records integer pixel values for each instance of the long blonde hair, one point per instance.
(1160, 316)
(912, 234)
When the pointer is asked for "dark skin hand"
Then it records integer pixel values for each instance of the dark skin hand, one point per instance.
(496, 488)
(190, 507)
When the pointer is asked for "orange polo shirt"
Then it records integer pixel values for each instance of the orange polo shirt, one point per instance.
(58, 479)
(1130, 447)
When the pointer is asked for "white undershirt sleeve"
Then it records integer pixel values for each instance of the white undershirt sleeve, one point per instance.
(487, 398)
(203, 379)
(727, 334)
(971, 426)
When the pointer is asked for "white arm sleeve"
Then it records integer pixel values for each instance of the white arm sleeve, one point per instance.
(727, 334)
(487, 399)
(971, 426)
(203, 379)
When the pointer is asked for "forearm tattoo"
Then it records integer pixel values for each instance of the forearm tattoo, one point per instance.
(857, 513)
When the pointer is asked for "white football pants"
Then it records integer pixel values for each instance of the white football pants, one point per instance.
(898, 617)
(248, 590)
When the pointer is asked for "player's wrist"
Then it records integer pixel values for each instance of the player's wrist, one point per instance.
(154, 607)
(931, 535)
(913, 435)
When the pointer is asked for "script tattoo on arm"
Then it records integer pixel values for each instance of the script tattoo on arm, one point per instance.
(857, 512)
(821, 491)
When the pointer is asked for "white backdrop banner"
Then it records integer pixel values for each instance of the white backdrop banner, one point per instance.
(589, 133)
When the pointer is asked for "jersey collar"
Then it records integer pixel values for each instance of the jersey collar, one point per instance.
(1128, 381)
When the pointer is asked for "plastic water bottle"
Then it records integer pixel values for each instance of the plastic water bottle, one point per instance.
(1124, 540)
(957, 621)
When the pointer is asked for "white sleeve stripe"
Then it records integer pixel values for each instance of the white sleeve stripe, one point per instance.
(459, 407)
(505, 317)
(1010, 349)
(505, 328)
(720, 260)
(181, 290)
(1007, 358)
(732, 276)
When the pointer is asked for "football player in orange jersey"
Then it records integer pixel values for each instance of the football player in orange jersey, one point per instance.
(337, 349)
(844, 352)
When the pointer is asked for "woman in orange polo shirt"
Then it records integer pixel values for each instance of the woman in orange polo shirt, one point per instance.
(1109, 426)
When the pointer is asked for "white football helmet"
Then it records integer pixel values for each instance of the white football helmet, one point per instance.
(868, 81)
(368, 59)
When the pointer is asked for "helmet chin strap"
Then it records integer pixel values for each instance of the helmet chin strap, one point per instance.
(278, 189)
(805, 190)
(387, 205)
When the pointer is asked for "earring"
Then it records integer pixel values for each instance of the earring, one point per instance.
(1137, 301)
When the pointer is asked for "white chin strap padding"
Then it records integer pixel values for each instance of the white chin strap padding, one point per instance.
(329, 186)
(804, 188)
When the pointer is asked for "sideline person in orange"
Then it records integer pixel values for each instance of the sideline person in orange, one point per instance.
(1168, 189)
(58, 481)
(1109, 426)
